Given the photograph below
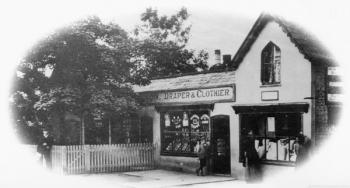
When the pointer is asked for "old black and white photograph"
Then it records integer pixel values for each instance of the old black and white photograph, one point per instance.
(174, 93)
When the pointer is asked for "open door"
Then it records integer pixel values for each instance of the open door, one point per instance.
(220, 145)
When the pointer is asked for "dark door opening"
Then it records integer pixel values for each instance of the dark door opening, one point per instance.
(220, 145)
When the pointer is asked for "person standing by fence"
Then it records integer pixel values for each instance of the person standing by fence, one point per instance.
(44, 148)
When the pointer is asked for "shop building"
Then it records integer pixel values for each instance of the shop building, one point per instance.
(279, 83)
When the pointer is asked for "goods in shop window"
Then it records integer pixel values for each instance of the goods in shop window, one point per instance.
(185, 147)
(177, 146)
(196, 147)
(195, 121)
(185, 120)
(169, 147)
(205, 122)
(185, 130)
(177, 122)
(167, 120)
(184, 134)
(205, 119)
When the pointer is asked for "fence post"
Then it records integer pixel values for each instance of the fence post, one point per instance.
(87, 158)
(154, 155)
(64, 163)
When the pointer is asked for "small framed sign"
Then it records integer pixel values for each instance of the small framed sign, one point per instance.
(269, 95)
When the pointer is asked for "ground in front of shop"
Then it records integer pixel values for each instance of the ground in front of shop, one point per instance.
(161, 178)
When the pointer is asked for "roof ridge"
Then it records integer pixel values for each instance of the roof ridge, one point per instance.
(191, 74)
(311, 41)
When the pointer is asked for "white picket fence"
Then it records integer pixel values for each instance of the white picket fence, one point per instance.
(78, 159)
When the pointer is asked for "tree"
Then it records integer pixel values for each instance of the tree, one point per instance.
(161, 42)
(83, 69)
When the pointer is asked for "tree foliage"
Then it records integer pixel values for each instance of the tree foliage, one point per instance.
(83, 68)
(161, 43)
(87, 69)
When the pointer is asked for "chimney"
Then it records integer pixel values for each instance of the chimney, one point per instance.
(226, 59)
(217, 56)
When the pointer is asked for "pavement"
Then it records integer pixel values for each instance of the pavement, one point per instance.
(161, 178)
(22, 170)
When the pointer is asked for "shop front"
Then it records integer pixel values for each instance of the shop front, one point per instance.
(186, 117)
(275, 128)
(281, 93)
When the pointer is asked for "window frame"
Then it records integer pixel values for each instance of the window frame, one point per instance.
(273, 61)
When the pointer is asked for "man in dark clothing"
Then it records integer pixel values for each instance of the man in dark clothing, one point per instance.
(44, 148)
(202, 156)
(251, 159)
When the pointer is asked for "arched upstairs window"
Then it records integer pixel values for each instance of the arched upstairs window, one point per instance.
(271, 64)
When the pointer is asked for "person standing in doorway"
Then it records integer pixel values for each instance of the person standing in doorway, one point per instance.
(202, 156)
(44, 148)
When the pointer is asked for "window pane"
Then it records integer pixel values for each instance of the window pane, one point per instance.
(271, 64)
(271, 149)
(277, 70)
(288, 124)
(182, 129)
(283, 151)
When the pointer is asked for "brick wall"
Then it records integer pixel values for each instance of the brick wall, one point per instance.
(320, 117)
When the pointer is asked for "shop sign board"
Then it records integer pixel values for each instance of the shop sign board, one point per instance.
(191, 96)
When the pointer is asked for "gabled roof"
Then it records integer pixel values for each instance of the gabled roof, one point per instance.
(197, 81)
(306, 43)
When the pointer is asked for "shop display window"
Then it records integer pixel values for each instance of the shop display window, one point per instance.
(276, 132)
(181, 131)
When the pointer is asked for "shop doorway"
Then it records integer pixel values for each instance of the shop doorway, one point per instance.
(220, 145)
